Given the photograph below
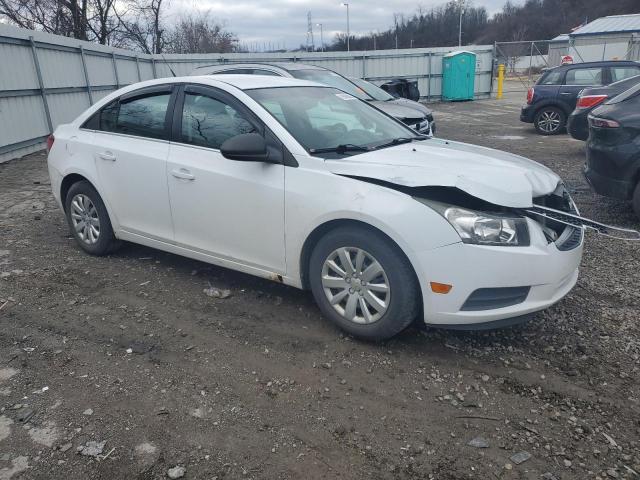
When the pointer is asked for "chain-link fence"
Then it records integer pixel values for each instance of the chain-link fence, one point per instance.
(524, 62)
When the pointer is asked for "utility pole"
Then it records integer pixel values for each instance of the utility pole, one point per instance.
(310, 41)
(321, 37)
(460, 24)
(348, 26)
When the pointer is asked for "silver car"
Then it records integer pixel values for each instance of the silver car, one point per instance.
(416, 119)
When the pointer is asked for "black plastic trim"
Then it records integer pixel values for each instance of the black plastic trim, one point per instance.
(492, 298)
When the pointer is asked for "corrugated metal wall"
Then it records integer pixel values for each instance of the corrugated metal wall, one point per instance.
(46, 80)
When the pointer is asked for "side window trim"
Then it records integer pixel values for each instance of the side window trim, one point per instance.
(90, 123)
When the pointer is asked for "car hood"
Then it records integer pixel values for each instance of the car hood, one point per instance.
(405, 102)
(398, 111)
(497, 177)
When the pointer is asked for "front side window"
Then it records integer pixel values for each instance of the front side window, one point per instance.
(552, 77)
(620, 73)
(208, 122)
(140, 116)
(320, 117)
(584, 76)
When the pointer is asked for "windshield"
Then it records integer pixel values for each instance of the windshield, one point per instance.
(325, 118)
(373, 90)
(332, 79)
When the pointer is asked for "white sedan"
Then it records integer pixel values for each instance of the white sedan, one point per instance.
(306, 185)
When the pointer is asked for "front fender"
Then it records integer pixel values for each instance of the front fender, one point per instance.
(316, 197)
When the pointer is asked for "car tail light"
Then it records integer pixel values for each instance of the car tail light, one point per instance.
(530, 93)
(598, 122)
(50, 140)
(590, 101)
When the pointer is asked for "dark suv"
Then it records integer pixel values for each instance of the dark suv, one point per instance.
(554, 96)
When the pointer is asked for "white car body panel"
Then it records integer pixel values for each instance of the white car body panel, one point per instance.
(245, 219)
(496, 177)
(260, 215)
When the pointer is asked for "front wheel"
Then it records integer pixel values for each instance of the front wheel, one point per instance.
(549, 121)
(363, 283)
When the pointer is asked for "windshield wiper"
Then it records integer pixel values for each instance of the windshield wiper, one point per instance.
(344, 148)
(401, 140)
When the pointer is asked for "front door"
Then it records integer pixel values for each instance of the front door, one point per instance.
(130, 150)
(231, 209)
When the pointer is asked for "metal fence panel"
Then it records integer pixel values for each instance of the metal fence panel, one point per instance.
(43, 82)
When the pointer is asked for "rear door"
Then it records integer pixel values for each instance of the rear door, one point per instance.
(230, 209)
(577, 79)
(131, 147)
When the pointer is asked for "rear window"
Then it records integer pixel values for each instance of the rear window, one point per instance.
(632, 92)
(584, 76)
(620, 73)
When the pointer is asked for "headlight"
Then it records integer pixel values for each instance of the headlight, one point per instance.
(482, 228)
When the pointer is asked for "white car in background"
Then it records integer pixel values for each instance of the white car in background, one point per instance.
(304, 184)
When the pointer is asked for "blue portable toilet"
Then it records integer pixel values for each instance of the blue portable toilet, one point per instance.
(458, 75)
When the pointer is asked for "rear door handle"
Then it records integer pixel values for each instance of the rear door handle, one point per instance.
(108, 156)
(566, 93)
(183, 174)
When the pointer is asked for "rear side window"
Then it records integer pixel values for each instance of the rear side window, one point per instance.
(208, 122)
(584, 76)
(620, 73)
(140, 116)
(144, 117)
(552, 77)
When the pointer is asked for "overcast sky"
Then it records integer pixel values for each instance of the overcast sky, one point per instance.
(285, 21)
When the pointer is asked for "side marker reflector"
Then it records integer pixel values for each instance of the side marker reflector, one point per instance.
(442, 288)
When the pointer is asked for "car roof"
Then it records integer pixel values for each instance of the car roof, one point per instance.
(242, 82)
(605, 63)
(288, 66)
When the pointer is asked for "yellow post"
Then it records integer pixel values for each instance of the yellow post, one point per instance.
(500, 80)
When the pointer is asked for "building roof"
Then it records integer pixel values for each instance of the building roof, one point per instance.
(611, 24)
(560, 38)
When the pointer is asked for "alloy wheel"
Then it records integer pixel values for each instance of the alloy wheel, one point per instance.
(549, 121)
(84, 218)
(356, 285)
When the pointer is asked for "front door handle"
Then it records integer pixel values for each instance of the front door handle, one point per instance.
(183, 174)
(108, 156)
(566, 93)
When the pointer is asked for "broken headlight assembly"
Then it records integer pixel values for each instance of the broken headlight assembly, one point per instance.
(483, 228)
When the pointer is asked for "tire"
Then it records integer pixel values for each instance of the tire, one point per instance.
(636, 200)
(83, 202)
(550, 121)
(400, 303)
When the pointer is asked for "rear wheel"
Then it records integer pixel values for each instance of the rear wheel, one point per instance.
(636, 200)
(88, 219)
(363, 283)
(549, 121)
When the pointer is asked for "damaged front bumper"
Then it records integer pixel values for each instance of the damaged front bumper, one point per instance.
(495, 283)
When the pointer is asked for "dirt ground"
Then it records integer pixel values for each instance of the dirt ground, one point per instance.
(128, 350)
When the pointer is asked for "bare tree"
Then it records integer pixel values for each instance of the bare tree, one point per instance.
(142, 25)
(199, 33)
(102, 22)
(62, 17)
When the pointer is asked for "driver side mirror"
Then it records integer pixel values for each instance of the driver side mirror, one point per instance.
(246, 147)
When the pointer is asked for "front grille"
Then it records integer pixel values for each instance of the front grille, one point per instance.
(490, 298)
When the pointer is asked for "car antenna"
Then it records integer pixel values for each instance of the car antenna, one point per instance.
(167, 64)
